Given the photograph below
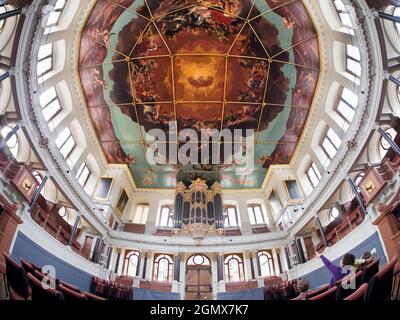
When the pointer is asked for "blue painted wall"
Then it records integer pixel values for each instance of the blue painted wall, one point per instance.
(322, 276)
(29, 251)
(251, 294)
(143, 294)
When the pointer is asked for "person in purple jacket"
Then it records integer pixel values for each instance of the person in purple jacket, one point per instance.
(338, 273)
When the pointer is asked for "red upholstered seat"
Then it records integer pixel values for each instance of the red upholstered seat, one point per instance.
(70, 286)
(27, 266)
(93, 297)
(343, 291)
(317, 291)
(16, 279)
(380, 286)
(71, 294)
(370, 270)
(359, 294)
(40, 293)
(326, 295)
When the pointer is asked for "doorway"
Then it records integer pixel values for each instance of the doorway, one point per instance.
(198, 278)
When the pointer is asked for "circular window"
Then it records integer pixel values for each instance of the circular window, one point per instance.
(12, 143)
(334, 213)
(198, 260)
(62, 212)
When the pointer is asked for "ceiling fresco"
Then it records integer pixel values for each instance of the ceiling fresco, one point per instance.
(206, 64)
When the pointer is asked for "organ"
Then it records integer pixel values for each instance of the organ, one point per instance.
(198, 209)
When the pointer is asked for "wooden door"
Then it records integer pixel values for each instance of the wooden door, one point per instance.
(309, 248)
(87, 246)
(198, 283)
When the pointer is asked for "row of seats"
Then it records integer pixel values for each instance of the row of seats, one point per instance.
(285, 290)
(370, 284)
(25, 281)
(110, 289)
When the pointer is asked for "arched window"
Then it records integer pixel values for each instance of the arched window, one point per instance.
(198, 260)
(163, 268)
(256, 214)
(231, 219)
(234, 270)
(266, 263)
(63, 212)
(333, 214)
(384, 146)
(12, 143)
(142, 210)
(131, 263)
(166, 217)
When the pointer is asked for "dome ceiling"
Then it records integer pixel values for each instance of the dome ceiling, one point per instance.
(233, 64)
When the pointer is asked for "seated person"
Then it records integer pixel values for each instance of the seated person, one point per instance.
(338, 273)
(365, 259)
(303, 286)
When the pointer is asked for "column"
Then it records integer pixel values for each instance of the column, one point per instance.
(38, 191)
(220, 273)
(149, 267)
(322, 232)
(176, 287)
(389, 140)
(357, 195)
(74, 228)
(121, 262)
(246, 226)
(247, 256)
(278, 269)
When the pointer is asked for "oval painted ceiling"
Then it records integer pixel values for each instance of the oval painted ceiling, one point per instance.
(211, 64)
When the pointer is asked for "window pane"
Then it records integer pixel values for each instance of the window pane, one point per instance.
(259, 215)
(354, 67)
(47, 96)
(353, 52)
(45, 51)
(314, 166)
(67, 147)
(63, 137)
(345, 110)
(44, 66)
(339, 5)
(51, 110)
(232, 217)
(329, 148)
(350, 97)
(251, 214)
(334, 138)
